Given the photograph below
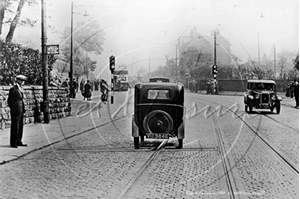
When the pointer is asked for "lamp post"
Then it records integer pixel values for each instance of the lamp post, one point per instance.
(258, 50)
(274, 62)
(149, 68)
(45, 105)
(86, 54)
(71, 56)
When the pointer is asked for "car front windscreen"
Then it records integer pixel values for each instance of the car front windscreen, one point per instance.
(261, 86)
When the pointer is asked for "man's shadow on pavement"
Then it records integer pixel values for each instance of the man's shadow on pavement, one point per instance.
(5, 146)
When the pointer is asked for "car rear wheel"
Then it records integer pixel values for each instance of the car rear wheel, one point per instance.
(180, 144)
(136, 143)
(142, 136)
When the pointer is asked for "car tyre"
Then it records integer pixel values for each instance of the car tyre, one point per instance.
(180, 144)
(136, 143)
(278, 108)
(142, 136)
(250, 107)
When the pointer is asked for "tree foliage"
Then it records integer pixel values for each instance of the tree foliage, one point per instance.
(161, 71)
(87, 39)
(196, 63)
(17, 60)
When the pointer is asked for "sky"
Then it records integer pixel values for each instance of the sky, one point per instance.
(137, 31)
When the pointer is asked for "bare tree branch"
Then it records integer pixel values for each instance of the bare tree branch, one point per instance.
(15, 21)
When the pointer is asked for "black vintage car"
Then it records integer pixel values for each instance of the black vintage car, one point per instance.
(158, 112)
(261, 94)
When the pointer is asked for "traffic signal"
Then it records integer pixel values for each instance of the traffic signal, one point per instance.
(112, 64)
(214, 69)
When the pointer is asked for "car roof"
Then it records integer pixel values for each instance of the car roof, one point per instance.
(158, 77)
(161, 85)
(261, 81)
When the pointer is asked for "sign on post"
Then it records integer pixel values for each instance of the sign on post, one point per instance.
(52, 49)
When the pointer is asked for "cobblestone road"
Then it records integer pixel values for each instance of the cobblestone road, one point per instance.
(102, 162)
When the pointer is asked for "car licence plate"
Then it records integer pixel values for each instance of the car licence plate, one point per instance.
(157, 136)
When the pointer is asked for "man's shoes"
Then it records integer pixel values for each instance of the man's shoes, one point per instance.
(13, 146)
(21, 144)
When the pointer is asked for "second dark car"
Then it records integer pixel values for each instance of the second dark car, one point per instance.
(261, 94)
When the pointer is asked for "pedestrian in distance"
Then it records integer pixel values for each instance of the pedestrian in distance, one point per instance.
(81, 86)
(65, 83)
(287, 93)
(296, 92)
(17, 109)
(87, 91)
(74, 88)
(104, 91)
(292, 89)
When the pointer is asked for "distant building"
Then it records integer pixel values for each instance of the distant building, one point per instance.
(206, 44)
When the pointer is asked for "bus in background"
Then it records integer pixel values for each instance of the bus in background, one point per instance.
(120, 78)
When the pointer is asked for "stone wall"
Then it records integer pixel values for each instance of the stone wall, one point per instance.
(59, 104)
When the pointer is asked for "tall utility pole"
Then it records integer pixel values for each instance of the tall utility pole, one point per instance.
(132, 66)
(71, 57)
(149, 68)
(215, 63)
(86, 64)
(45, 64)
(258, 51)
(274, 62)
(215, 48)
(176, 62)
(86, 55)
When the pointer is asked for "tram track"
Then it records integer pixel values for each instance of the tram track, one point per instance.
(225, 162)
(272, 148)
(131, 183)
(228, 173)
(279, 122)
(259, 135)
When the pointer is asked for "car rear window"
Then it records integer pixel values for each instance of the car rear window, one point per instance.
(158, 94)
(157, 79)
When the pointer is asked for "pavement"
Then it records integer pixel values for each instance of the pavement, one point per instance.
(39, 135)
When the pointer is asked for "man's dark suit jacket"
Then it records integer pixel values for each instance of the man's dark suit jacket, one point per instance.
(15, 100)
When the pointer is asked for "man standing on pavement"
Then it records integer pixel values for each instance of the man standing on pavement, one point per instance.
(17, 110)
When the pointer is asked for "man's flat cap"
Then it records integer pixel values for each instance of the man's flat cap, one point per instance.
(21, 77)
